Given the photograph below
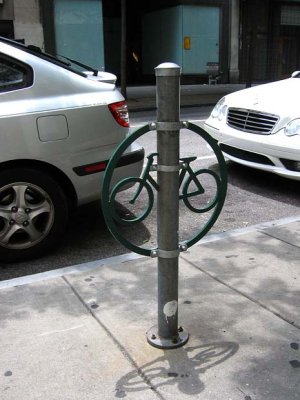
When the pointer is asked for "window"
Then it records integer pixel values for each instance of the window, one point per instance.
(290, 15)
(79, 31)
(14, 75)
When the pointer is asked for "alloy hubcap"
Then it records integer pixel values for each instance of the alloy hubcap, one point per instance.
(26, 215)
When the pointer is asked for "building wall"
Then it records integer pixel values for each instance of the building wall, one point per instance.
(27, 22)
(234, 72)
(269, 40)
(7, 10)
(34, 22)
(25, 19)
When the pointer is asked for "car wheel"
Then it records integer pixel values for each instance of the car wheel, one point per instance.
(33, 213)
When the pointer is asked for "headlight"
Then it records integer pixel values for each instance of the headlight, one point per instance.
(219, 111)
(293, 128)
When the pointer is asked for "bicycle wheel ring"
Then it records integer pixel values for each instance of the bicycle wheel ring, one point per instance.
(185, 191)
(147, 209)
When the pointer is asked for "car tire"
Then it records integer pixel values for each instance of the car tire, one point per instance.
(33, 213)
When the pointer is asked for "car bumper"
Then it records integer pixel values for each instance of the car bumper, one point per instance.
(275, 153)
(130, 164)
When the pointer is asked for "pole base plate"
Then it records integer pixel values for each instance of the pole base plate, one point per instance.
(177, 340)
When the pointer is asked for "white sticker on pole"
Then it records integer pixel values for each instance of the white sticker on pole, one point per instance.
(170, 309)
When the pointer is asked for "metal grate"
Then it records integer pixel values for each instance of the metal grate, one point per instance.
(251, 121)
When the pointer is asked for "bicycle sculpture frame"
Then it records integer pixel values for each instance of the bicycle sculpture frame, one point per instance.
(186, 193)
(186, 177)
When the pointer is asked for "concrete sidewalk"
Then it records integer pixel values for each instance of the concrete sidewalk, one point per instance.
(81, 334)
(141, 98)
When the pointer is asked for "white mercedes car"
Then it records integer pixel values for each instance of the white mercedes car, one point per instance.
(59, 125)
(260, 127)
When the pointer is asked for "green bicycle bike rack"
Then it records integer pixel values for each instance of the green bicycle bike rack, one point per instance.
(173, 173)
(108, 195)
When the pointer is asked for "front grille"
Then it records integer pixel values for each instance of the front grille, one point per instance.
(251, 121)
(245, 155)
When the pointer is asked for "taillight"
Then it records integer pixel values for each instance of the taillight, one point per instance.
(120, 112)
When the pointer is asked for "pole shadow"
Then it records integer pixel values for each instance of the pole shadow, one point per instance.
(182, 368)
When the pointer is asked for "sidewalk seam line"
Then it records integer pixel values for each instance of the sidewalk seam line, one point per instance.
(257, 302)
(280, 239)
(119, 346)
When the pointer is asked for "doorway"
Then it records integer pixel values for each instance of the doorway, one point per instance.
(7, 29)
(288, 56)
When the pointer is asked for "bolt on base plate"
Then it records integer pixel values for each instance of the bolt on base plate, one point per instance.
(162, 343)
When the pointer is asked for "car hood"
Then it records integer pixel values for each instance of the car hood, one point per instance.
(280, 98)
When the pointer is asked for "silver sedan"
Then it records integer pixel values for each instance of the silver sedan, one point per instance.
(59, 126)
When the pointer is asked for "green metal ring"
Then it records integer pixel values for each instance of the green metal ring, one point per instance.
(109, 196)
(147, 209)
(107, 202)
(185, 196)
(222, 188)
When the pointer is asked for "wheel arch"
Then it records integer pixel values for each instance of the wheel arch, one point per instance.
(59, 176)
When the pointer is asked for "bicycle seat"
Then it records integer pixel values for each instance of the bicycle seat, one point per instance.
(188, 159)
(151, 156)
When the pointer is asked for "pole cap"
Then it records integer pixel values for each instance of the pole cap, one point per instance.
(168, 69)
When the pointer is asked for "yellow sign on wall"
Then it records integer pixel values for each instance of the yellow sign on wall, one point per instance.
(187, 43)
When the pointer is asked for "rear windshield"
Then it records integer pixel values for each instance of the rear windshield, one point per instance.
(62, 61)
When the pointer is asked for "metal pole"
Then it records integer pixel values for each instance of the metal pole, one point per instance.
(167, 334)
